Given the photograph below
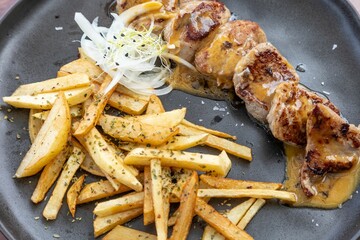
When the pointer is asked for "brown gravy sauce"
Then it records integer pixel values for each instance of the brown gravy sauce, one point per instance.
(333, 188)
(184, 79)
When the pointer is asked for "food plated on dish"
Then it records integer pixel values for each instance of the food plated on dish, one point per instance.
(84, 130)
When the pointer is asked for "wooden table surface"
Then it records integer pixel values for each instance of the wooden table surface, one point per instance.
(5, 5)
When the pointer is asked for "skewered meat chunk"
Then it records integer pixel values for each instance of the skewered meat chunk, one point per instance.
(219, 54)
(195, 21)
(258, 74)
(290, 108)
(333, 145)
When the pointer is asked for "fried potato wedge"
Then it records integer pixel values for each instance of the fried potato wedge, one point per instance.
(234, 215)
(53, 85)
(219, 222)
(34, 124)
(127, 104)
(251, 213)
(75, 111)
(166, 119)
(105, 224)
(50, 141)
(123, 90)
(98, 190)
(175, 143)
(255, 193)
(216, 164)
(73, 193)
(107, 160)
(229, 146)
(46, 100)
(135, 131)
(121, 204)
(201, 129)
(93, 112)
(149, 215)
(90, 166)
(131, 234)
(228, 183)
(158, 199)
(71, 166)
(155, 105)
(84, 66)
(49, 174)
(217, 142)
(186, 209)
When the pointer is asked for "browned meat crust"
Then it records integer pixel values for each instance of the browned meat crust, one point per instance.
(195, 21)
(218, 55)
(332, 144)
(290, 108)
(257, 75)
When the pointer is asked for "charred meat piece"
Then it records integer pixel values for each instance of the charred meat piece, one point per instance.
(333, 145)
(194, 22)
(290, 108)
(258, 74)
(219, 54)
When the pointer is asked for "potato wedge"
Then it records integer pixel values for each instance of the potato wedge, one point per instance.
(50, 141)
(123, 90)
(158, 199)
(149, 215)
(131, 234)
(186, 209)
(34, 124)
(46, 100)
(53, 85)
(219, 222)
(121, 204)
(255, 193)
(217, 164)
(194, 127)
(127, 104)
(49, 174)
(166, 189)
(73, 193)
(134, 131)
(98, 190)
(107, 160)
(155, 105)
(166, 119)
(85, 66)
(71, 166)
(105, 224)
(229, 146)
(90, 166)
(228, 183)
(175, 143)
(75, 111)
(93, 112)
(251, 213)
(234, 215)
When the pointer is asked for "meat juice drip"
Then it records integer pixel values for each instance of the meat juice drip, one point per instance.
(333, 188)
(195, 83)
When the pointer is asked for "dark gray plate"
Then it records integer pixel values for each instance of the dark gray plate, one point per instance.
(304, 31)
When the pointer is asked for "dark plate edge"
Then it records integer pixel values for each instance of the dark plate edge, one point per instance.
(344, 5)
